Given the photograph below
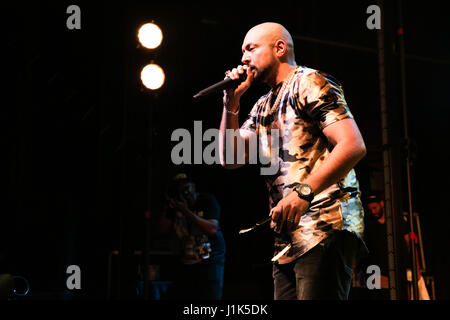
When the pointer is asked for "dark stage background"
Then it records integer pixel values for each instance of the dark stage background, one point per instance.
(86, 149)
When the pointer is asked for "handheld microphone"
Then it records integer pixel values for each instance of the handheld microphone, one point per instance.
(221, 85)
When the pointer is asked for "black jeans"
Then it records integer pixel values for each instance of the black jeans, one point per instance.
(324, 272)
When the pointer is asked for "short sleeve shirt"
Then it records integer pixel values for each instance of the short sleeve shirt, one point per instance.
(193, 239)
(312, 101)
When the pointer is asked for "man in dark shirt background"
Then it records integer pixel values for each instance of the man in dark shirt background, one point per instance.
(194, 216)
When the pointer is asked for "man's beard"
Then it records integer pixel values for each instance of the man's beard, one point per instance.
(376, 216)
(261, 75)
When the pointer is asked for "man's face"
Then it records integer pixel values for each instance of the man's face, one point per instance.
(258, 54)
(187, 190)
(376, 209)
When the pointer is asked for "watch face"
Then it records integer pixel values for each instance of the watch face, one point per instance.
(305, 189)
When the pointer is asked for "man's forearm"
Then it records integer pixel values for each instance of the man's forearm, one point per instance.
(209, 227)
(341, 160)
(229, 121)
(348, 149)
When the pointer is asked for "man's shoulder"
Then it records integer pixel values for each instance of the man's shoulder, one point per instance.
(315, 76)
(304, 70)
(206, 198)
(208, 203)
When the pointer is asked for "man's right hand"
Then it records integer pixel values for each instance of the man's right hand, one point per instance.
(232, 96)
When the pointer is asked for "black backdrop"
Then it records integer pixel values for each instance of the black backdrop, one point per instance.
(78, 128)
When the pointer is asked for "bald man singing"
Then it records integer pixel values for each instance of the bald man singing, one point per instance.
(314, 197)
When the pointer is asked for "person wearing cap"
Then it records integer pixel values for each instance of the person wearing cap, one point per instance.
(375, 205)
(194, 216)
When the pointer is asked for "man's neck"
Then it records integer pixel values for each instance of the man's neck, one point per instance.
(283, 72)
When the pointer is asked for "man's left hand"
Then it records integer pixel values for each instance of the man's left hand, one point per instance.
(289, 210)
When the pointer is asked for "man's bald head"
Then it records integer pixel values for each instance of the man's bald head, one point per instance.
(270, 33)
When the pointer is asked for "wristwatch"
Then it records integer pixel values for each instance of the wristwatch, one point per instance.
(304, 191)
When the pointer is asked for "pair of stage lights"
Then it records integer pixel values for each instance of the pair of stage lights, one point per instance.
(152, 75)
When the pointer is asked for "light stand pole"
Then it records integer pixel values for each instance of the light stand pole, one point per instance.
(152, 77)
(412, 245)
(387, 164)
(149, 204)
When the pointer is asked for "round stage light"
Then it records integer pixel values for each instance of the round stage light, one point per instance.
(150, 35)
(152, 76)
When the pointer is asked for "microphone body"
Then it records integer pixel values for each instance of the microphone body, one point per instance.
(221, 85)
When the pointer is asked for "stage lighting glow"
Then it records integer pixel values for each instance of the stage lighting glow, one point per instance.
(152, 76)
(150, 35)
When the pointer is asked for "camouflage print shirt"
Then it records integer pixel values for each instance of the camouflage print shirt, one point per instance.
(312, 101)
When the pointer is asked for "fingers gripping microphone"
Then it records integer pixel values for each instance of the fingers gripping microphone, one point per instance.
(222, 85)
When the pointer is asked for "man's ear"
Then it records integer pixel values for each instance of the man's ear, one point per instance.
(280, 48)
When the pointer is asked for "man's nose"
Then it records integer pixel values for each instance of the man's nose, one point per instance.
(245, 58)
